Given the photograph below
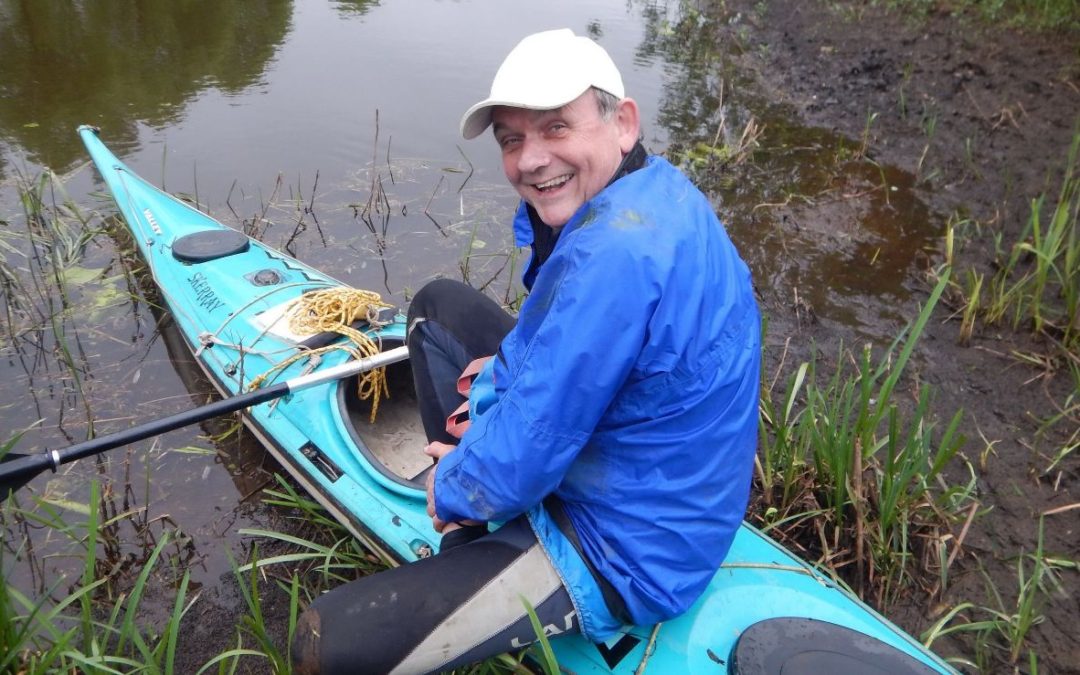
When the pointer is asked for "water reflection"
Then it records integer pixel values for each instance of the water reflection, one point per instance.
(826, 229)
(355, 7)
(65, 63)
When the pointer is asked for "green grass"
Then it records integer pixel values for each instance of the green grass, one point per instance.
(548, 663)
(1031, 14)
(844, 462)
(100, 625)
(95, 628)
(1038, 280)
(1001, 628)
(1034, 287)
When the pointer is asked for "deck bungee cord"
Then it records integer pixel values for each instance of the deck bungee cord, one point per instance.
(210, 338)
(335, 310)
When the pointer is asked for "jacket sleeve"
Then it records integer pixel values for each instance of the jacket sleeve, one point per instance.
(575, 343)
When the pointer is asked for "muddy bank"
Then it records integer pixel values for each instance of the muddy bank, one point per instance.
(980, 120)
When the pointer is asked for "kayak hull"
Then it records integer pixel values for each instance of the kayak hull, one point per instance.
(228, 309)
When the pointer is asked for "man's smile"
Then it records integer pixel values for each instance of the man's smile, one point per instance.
(553, 183)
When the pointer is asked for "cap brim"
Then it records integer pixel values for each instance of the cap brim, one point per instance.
(477, 118)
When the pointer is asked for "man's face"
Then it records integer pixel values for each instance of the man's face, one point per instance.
(559, 159)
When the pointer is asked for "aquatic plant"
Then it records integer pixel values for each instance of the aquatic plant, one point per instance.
(325, 553)
(1002, 628)
(1038, 14)
(92, 629)
(499, 265)
(841, 462)
(1036, 283)
(1039, 280)
(254, 625)
(706, 161)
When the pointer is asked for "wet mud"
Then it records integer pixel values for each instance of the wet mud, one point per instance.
(976, 122)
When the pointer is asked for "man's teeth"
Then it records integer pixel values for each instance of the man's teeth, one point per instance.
(554, 182)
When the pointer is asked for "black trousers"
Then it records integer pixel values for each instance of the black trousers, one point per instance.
(450, 325)
(468, 602)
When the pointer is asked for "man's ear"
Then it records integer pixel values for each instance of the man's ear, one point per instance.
(628, 121)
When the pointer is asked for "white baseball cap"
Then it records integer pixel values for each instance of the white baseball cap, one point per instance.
(545, 71)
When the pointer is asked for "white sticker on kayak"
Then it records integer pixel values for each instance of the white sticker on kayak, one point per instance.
(275, 322)
(153, 221)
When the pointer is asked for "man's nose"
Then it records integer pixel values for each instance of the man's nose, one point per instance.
(534, 156)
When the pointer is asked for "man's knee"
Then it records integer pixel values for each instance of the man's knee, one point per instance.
(348, 630)
(435, 294)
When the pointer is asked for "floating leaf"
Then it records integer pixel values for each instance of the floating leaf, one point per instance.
(80, 275)
(192, 450)
(68, 505)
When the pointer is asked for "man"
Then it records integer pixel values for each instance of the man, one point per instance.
(613, 432)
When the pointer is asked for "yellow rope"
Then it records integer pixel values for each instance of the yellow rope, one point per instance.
(334, 310)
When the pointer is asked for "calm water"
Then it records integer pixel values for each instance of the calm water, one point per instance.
(246, 90)
(287, 118)
(253, 107)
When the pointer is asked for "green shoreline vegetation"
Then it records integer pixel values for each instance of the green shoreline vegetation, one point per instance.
(1031, 14)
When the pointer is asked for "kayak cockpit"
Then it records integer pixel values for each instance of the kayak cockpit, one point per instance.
(394, 444)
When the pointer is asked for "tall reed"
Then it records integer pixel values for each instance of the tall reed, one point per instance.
(89, 630)
(1039, 280)
(844, 460)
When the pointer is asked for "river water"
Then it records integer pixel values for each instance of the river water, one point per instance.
(279, 117)
(287, 119)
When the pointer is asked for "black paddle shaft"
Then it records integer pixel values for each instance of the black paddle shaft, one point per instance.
(17, 470)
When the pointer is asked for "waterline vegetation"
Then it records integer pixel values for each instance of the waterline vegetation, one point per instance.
(843, 468)
(1035, 287)
(1037, 14)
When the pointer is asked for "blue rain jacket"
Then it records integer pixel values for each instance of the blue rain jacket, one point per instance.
(628, 387)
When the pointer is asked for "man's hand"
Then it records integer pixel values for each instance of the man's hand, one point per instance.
(436, 451)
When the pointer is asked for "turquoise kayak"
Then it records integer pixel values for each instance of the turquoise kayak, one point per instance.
(765, 610)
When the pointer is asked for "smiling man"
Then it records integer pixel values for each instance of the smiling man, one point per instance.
(611, 435)
(559, 159)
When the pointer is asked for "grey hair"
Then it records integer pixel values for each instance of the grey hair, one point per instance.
(606, 102)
